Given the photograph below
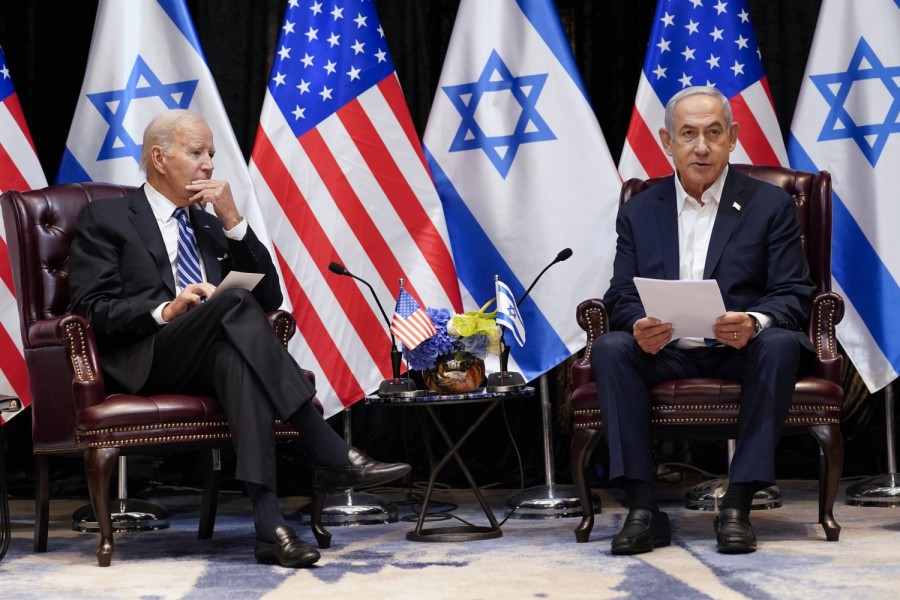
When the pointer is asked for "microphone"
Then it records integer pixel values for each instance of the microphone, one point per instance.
(504, 380)
(397, 384)
(563, 255)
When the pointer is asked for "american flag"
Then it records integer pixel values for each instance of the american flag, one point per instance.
(341, 176)
(411, 324)
(702, 42)
(19, 170)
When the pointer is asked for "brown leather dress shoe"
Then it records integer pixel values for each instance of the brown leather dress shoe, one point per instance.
(643, 531)
(733, 532)
(287, 550)
(361, 472)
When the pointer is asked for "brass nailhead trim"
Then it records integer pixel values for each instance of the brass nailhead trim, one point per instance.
(77, 351)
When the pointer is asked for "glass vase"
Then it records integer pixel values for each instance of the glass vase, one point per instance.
(457, 373)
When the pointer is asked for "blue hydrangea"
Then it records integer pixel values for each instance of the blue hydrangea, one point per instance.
(425, 355)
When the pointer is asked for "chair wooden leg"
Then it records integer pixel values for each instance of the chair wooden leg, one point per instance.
(98, 466)
(210, 502)
(41, 501)
(831, 459)
(583, 443)
(323, 537)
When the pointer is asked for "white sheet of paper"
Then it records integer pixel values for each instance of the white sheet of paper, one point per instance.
(239, 279)
(692, 307)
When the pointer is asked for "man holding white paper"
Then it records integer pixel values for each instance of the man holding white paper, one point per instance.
(705, 222)
(144, 268)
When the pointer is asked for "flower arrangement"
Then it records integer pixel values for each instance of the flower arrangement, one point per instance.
(474, 332)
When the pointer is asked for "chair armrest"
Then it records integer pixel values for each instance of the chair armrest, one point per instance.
(284, 324)
(827, 312)
(285, 327)
(592, 318)
(75, 334)
(64, 376)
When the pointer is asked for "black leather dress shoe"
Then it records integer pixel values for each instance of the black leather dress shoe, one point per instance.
(733, 532)
(286, 550)
(643, 531)
(361, 472)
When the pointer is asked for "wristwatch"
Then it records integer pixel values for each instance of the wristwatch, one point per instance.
(757, 326)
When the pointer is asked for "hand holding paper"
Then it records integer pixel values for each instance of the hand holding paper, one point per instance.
(690, 306)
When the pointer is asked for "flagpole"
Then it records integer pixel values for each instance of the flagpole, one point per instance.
(884, 489)
(551, 500)
(350, 507)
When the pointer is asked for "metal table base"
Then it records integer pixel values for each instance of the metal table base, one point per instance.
(461, 533)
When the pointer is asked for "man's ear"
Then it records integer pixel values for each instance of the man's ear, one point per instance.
(157, 154)
(666, 140)
(733, 136)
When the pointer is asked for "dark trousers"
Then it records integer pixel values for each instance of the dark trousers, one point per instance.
(227, 348)
(767, 369)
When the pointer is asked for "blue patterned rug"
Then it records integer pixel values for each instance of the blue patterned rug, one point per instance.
(533, 559)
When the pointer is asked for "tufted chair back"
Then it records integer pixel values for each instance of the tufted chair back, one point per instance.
(709, 407)
(43, 223)
(72, 414)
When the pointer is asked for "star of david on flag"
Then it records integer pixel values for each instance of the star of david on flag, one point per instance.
(146, 58)
(340, 174)
(523, 170)
(19, 170)
(702, 43)
(529, 126)
(508, 314)
(847, 122)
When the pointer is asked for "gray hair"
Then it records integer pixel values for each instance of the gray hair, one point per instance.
(707, 90)
(161, 130)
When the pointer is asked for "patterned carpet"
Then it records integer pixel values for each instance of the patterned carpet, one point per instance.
(533, 559)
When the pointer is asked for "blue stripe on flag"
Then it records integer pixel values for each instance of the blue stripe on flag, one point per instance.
(871, 290)
(546, 22)
(466, 232)
(70, 170)
(178, 12)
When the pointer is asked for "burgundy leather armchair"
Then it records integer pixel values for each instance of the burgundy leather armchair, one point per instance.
(709, 407)
(71, 412)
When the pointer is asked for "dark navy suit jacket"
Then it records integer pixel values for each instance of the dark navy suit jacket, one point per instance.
(119, 272)
(755, 252)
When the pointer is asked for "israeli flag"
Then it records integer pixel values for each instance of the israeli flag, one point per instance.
(508, 314)
(846, 122)
(146, 58)
(523, 170)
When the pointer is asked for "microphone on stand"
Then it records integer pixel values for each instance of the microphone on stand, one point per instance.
(504, 380)
(397, 384)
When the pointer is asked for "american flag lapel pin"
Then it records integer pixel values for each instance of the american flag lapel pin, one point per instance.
(736, 206)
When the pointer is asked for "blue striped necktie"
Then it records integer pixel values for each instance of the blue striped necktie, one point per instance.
(188, 258)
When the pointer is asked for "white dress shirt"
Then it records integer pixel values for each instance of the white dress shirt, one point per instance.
(164, 211)
(696, 218)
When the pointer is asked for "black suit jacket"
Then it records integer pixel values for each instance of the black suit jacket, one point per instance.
(119, 272)
(755, 252)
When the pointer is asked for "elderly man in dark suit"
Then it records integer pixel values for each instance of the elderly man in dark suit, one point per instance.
(144, 270)
(706, 222)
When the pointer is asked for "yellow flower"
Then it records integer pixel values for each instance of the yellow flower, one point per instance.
(473, 322)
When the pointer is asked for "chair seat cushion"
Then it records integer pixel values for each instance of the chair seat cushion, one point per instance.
(166, 419)
(706, 401)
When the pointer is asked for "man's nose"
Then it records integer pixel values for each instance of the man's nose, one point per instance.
(701, 147)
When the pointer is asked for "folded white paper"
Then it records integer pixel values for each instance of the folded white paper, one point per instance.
(692, 307)
(239, 279)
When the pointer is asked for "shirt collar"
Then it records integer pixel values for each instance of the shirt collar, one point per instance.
(163, 208)
(712, 195)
